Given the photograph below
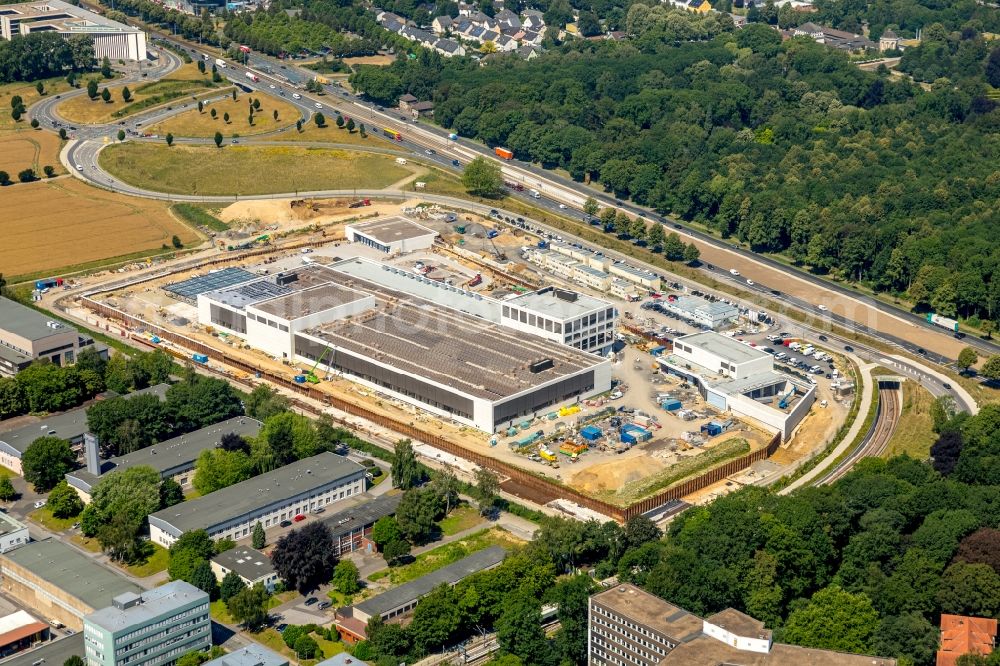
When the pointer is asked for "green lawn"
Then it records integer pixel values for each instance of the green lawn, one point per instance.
(271, 639)
(86, 543)
(461, 518)
(217, 609)
(45, 518)
(914, 434)
(240, 169)
(155, 563)
(199, 216)
(444, 555)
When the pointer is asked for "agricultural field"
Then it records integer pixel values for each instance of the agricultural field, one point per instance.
(30, 149)
(187, 80)
(244, 170)
(67, 224)
(202, 125)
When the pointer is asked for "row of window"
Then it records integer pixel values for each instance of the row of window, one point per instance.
(235, 324)
(365, 240)
(620, 640)
(264, 320)
(605, 658)
(143, 631)
(535, 321)
(639, 629)
(625, 651)
(128, 646)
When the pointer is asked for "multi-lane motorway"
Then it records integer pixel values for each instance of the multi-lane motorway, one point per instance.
(433, 145)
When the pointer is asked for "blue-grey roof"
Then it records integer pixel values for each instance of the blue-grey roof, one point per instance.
(342, 659)
(130, 609)
(252, 655)
(449, 575)
(227, 277)
(361, 515)
(27, 322)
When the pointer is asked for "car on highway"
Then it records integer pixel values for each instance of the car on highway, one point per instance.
(562, 206)
(430, 151)
(823, 308)
(848, 348)
(456, 163)
(236, 140)
(272, 86)
(296, 96)
(946, 385)
(318, 105)
(823, 338)
(750, 282)
(735, 272)
(79, 167)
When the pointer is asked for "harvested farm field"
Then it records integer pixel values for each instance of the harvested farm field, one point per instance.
(29, 149)
(245, 170)
(194, 123)
(63, 224)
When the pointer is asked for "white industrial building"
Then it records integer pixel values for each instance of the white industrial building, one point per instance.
(703, 312)
(740, 379)
(392, 235)
(569, 317)
(13, 533)
(268, 499)
(447, 350)
(112, 40)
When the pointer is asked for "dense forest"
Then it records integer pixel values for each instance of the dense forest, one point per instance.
(866, 565)
(787, 146)
(42, 55)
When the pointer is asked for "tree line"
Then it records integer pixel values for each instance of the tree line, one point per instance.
(787, 147)
(42, 55)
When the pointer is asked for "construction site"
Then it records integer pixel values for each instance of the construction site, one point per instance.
(420, 340)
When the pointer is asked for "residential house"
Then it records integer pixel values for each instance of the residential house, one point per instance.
(422, 109)
(573, 30)
(534, 38)
(466, 8)
(406, 100)
(529, 52)
(449, 48)
(490, 36)
(532, 19)
(699, 6)
(508, 19)
(505, 44)
(965, 635)
(442, 24)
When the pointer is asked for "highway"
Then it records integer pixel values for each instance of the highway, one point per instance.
(87, 142)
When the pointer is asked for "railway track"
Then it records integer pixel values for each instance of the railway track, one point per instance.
(877, 438)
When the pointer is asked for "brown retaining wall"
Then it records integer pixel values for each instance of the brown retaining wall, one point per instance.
(532, 487)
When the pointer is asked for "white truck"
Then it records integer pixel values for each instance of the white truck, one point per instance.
(253, 77)
(535, 194)
(220, 63)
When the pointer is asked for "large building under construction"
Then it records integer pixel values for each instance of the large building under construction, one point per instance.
(433, 345)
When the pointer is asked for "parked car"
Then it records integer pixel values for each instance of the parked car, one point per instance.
(299, 518)
(285, 523)
(311, 600)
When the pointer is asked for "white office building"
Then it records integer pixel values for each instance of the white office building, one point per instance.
(569, 317)
(268, 499)
(392, 235)
(703, 312)
(112, 40)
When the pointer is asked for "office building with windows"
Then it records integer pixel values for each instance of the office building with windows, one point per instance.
(150, 628)
(270, 498)
(27, 335)
(112, 39)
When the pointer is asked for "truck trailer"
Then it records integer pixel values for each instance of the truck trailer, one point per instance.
(943, 322)
(220, 63)
(504, 153)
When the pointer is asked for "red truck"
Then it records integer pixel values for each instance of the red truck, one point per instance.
(504, 153)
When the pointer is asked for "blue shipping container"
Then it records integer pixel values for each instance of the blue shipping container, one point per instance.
(200, 358)
(591, 433)
(671, 405)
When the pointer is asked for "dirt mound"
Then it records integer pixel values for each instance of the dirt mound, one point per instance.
(614, 474)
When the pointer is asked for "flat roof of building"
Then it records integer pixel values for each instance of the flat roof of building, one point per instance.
(363, 514)
(640, 606)
(739, 623)
(707, 651)
(247, 562)
(392, 229)
(754, 381)
(67, 569)
(163, 600)
(251, 655)
(213, 281)
(342, 659)
(722, 346)
(305, 302)
(169, 454)
(66, 425)
(559, 304)
(9, 524)
(468, 354)
(52, 653)
(406, 281)
(696, 304)
(67, 17)
(257, 493)
(638, 272)
(27, 322)
(450, 575)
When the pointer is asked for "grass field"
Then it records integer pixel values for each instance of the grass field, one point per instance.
(58, 224)
(242, 170)
(914, 434)
(45, 518)
(29, 95)
(444, 555)
(200, 216)
(329, 134)
(194, 124)
(29, 149)
(155, 563)
(185, 81)
(460, 519)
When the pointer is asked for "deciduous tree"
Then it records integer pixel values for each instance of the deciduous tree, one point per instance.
(405, 471)
(231, 585)
(304, 557)
(46, 461)
(482, 177)
(346, 577)
(64, 502)
(248, 607)
(833, 620)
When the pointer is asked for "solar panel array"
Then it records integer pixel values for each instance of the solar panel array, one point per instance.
(190, 289)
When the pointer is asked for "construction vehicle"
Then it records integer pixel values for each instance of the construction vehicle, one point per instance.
(492, 233)
(476, 281)
(501, 257)
(360, 202)
(546, 454)
(459, 228)
(311, 375)
(785, 399)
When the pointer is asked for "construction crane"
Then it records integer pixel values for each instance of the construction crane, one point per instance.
(311, 376)
(500, 255)
(785, 399)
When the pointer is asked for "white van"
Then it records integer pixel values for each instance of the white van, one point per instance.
(296, 96)
(400, 160)
(734, 272)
